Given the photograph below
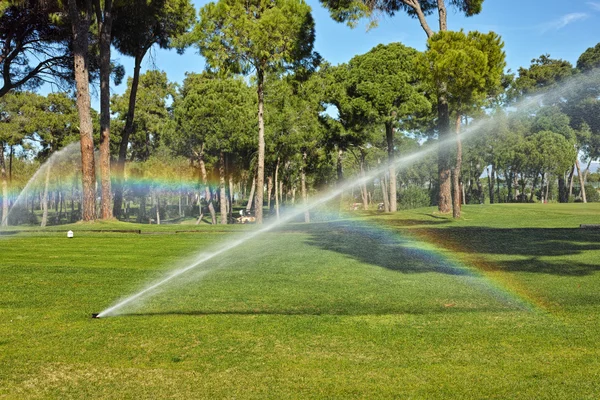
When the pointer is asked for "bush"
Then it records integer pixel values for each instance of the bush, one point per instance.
(413, 197)
(591, 194)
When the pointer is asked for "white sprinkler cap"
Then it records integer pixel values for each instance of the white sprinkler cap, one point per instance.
(70, 234)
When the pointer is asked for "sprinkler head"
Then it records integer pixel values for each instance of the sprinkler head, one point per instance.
(95, 315)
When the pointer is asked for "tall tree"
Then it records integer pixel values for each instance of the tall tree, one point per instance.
(262, 36)
(80, 22)
(213, 118)
(352, 10)
(384, 88)
(470, 66)
(104, 19)
(139, 25)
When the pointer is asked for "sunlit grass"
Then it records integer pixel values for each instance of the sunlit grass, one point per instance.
(346, 309)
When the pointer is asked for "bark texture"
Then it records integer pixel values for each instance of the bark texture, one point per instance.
(81, 26)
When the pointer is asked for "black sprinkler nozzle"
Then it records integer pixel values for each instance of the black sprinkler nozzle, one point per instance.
(95, 315)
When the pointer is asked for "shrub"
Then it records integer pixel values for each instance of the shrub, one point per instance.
(591, 194)
(413, 197)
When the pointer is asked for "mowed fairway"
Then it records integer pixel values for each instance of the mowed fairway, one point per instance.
(504, 303)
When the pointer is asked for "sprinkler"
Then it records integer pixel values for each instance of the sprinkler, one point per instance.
(95, 315)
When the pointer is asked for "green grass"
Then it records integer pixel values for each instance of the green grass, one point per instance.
(501, 304)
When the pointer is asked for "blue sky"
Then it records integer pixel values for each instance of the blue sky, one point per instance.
(529, 28)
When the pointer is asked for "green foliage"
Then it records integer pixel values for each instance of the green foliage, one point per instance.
(139, 24)
(152, 115)
(471, 66)
(51, 121)
(351, 11)
(35, 45)
(544, 74)
(241, 36)
(212, 115)
(413, 197)
(589, 59)
(591, 194)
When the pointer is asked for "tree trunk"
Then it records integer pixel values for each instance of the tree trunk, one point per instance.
(230, 198)
(340, 177)
(269, 191)
(563, 194)
(157, 208)
(490, 185)
(363, 187)
(304, 189)
(277, 191)
(445, 192)
(533, 186)
(571, 176)
(45, 198)
(260, 169)
(389, 133)
(547, 187)
(81, 26)
(4, 187)
(587, 171)
(251, 197)
(127, 131)
(222, 196)
(457, 168)
(211, 207)
(104, 19)
(581, 183)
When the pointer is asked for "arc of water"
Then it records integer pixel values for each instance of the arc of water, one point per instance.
(55, 157)
(534, 101)
(288, 216)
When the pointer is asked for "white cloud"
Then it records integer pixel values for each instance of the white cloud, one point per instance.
(594, 5)
(563, 21)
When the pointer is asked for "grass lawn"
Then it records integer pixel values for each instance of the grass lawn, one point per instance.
(503, 304)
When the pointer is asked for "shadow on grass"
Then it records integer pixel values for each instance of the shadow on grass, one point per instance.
(377, 246)
(557, 251)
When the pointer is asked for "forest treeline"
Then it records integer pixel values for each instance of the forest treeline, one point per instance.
(269, 123)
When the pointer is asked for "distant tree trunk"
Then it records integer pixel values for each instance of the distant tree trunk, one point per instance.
(260, 168)
(587, 171)
(104, 19)
(363, 187)
(211, 207)
(581, 183)
(45, 198)
(222, 196)
(490, 185)
(4, 187)
(251, 197)
(277, 191)
(389, 134)
(533, 186)
(157, 208)
(340, 177)
(230, 197)
(563, 193)
(456, 175)
(269, 191)
(445, 190)
(571, 176)
(81, 27)
(304, 188)
(547, 187)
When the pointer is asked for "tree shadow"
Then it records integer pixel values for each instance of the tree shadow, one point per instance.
(379, 246)
(541, 250)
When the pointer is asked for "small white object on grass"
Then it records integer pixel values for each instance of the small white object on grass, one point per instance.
(70, 234)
